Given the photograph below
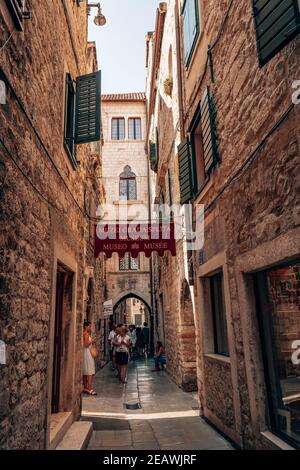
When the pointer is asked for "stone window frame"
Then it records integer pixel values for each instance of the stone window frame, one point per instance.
(135, 138)
(127, 175)
(204, 323)
(129, 263)
(117, 118)
(189, 54)
(16, 9)
(69, 119)
(285, 247)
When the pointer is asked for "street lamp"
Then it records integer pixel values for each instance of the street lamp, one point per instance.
(99, 19)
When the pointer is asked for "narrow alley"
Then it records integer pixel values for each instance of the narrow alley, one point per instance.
(150, 226)
(168, 417)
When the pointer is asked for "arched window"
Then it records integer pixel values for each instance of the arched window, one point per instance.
(128, 184)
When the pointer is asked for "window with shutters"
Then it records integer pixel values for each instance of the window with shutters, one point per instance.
(153, 156)
(185, 172)
(88, 108)
(134, 129)
(127, 190)
(118, 129)
(191, 27)
(277, 22)
(70, 119)
(170, 185)
(16, 9)
(203, 142)
(128, 263)
(199, 154)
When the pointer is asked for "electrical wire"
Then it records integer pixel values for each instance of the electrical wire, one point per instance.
(7, 41)
(3, 75)
(252, 157)
(218, 37)
(26, 177)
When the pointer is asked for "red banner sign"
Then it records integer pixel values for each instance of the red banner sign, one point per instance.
(134, 239)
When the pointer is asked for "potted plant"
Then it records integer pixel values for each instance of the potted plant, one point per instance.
(168, 86)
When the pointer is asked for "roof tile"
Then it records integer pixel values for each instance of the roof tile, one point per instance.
(124, 97)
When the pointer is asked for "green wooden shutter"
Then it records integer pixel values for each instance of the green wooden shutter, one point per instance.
(185, 172)
(209, 134)
(153, 156)
(276, 22)
(15, 8)
(157, 145)
(88, 98)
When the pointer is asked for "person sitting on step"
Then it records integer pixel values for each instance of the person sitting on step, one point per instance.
(159, 357)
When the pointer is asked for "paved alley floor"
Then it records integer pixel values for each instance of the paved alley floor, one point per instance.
(168, 418)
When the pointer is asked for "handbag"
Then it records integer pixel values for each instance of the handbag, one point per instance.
(93, 351)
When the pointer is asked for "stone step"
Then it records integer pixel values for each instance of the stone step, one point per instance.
(59, 425)
(77, 437)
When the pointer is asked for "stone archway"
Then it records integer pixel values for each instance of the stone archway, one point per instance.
(134, 295)
(147, 312)
(187, 341)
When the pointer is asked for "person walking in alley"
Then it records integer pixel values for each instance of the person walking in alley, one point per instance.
(139, 342)
(132, 334)
(88, 359)
(111, 336)
(122, 343)
(159, 358)
(146, 338)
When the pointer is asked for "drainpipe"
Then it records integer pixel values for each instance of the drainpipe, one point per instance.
(179, 71)
(153, 309)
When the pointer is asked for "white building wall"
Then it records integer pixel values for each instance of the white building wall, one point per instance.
(115, 156)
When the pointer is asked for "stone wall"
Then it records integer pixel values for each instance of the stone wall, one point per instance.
(42, 217)
(251, 212)
(174, 298)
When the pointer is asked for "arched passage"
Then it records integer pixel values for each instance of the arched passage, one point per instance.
(132, 308)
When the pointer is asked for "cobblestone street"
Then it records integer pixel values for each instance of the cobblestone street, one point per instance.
(168, 418)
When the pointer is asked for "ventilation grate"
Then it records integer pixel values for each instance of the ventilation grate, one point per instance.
(132, 406)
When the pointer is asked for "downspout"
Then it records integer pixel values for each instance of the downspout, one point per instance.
(153, 309)
(179, 71)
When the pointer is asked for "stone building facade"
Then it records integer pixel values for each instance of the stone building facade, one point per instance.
(173, 298)
(125, 179)
(241, 142)
(47, 193)
(232, 141)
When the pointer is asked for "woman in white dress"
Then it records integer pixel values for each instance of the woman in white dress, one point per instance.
(88, 360)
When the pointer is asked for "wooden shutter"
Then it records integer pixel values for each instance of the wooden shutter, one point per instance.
(15, 8)
(185, 172)
(209, 136)
(157, 145)
(277, 22)
(88, 97)
(153, 156)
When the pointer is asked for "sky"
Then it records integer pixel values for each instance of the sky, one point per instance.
(121, 43)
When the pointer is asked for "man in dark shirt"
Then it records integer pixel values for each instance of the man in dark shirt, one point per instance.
(146, 338)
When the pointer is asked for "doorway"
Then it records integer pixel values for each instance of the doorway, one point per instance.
(278, 306)
(63, 342)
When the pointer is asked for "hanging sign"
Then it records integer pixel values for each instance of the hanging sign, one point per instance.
(134, 239)
(108, 308)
